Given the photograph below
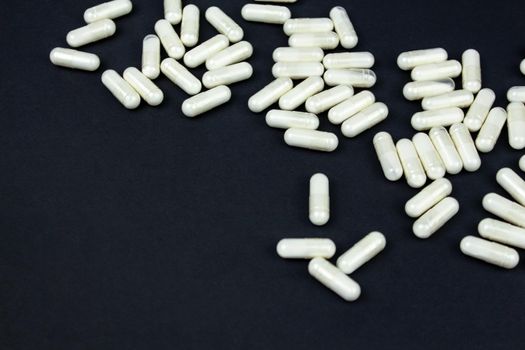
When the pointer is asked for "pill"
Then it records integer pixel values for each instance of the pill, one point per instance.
(307, 25)
(364, 120)
(298, 54)
(504, 208)
(491, 130)
(411, 59)
(446, 149)
(90, 33)
(437, 117)
(121, 89)
(350, 107)
(435, 218)
(360, 78)
(479, 110)
(319, 200)
(227, 75)
(230, 55)
(436, 71)
(305, 248)
(387, 156)
(270, 94)
(265, 13)
(457, 98)
(206, 101)
(502, 232)
(180, 76)
(516, 125)
(74, 59)
(224, 24)
(490, 252)
(522, 66)
(327, 40)
(199, 54)
(311, 139)
(512, 183)
(416, 90)
(109, 10)
(173, 11)
(144, 86)
(334, 279)
(471, 70)
(325, 100)
(361, 252)
(465, 146)
(343, 27)
(346, 60)
(169, 39)
(151, 56)
(189, 27)
(412, 167)
(297, 70)
(291, 119)
(300, 93)
(428, 197)
(428, 155)
(522, 163)
(516, 94)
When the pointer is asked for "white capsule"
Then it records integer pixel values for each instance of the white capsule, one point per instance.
(173, 11)
(471, 70)
(516, 94)
(516, 125)
(109, 10)
(428, 197)
(502, 232)
(417, 90)
(429, 157)
(522, 163)
(446, 149)
(465, 146)
(305, 248)
(350, 107)
(387, 156)
(300, 93)
(411, 59)
(491, 129)
(344, 27)
(227, 75)
(325, 100)
(307, 25)
(512, 183)
(319, 200)
(144, 86)
(121, 89)
(169, 39)
(361, 252)
(151, 56)
(280, 119)
(199, 54)
(189, 27)
(230, 55)
(270, 94)
(334, 279)
(504, 208)
(438, 117)
(180, 76)
(412, 167)
(206, 101)
(224, 24)
(522, 67)
(265, 13)
(457, 98)
(437, 71)
(297, 70)
(364, 120)
(90, 33)
(479, 110)
(327, 41)
(435, 218)
(311, 139)
(490, 252)
(74, 59)
(344, 60)
(298, 54)
(360, 78)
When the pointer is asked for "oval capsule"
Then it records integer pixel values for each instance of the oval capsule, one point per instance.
(490, 252)
(189, 27)
(224, 24)
(109, 10)
(74, 59)
(361, 252)
(181, 76)
(504, 208)
(471, 70)
(300, 93)
(516, 125)
(291, 119)
(227, 75)
(200, 53)
(491, 130)
(412, 167)
(319, 200)
(334, 279)
(270, 94)
(344, 27)
(502, 232)
(298, 54)
(512, 183)
(428, 155)
(417, 90)
(428, 197)
(479, 110)
(326, 41)
(230, 55)
(297, 70)
(265, 13)
(446, 149)
(435, 218)
(173, 11)
(205, 101)
(305, 248)
(169, 39)
(307, 25)
(457, 98)
(350, 107)
(151, 56)
(345, 60)
(465, 145)
(437, 71)
(121, 89)
(144, 86)
(364, 120)
(411, 59)
(387, 156)
(311, 139)
(438, 117)
(325, 100)
(90, 33)
(516, 94)
(360, 78)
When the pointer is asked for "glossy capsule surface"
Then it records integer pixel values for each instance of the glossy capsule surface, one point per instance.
(298, 54)
(189, 27)
(437, 71)
(435, 218)
(319, 200)
(471, 70)
(265, 13)
(227, 75)
(428, 197)
(121, 89)
(343, 27)
(200, 53)
(311, 139)
(230, 55)
(169, 39)
(280, 119)
(417, 90)
(512, 183)
(466, 148)
(325, 41)
(151, 56)
(90, 33)
(351, 106)
(334, 279)
(224, 24)
(364, 120)
(490, 131)
(180, 76)
(300, 93)
(325, 100)
(516, 125)
(387, 156)
(516, 94)
(305, 248)
(297, 70)
(428, 155)
(270, 94)
(74, 59)
(438, 117)
(173, 11)
(490, 252)
(206, 101)
(346, 60)
(412, 167)
(504, 208)
(361, 252)
(410, 59)
(144, 86)
(446, 149)
(457, 98)
(502, 232)
(479, 110)
(109, 10)
(360, 78)
(307, 25)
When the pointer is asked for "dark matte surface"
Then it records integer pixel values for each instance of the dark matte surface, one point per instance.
(149, 230)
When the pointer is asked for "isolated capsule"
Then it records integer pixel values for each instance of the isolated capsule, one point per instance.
(387, 156)
(300, 93)
(412, 167)
(297, 70)
(280, 119)
(502, 232)
(319, 200)
(491, 130)
(438, 117)
(325, 100)
(270, 94)
(74, 59)
(479, 110)
(465, 146)
(169, 39)
(180, 76)
(360, 78)
(206, 101)
(437, 71)
(504, 208)
(417, 90)
(350, 107)
(435, 218)
(311, 139)
(227, 75)
(512, 183)
(490, 252)
(361, 252)
(265, 13)
(457, 98)
(364, 120)
(298, 54)
(199, 54)
(446, 149)
(334, 279)
(108, 10)
(516, 94)
(344, 27)
(144, 86)
(516, 125)
(90, 33)
(428, 155)
(189, 27)
(224, 24)
(230, 55)
(307, 25)
(428, 197)
(121, 89)
(326, 41)
(411, 59)
(471, 70)
(305, 248)
(173, 11)
(344, 60)
(151, 56)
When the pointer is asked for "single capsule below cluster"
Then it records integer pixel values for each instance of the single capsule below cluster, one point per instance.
(319, 200)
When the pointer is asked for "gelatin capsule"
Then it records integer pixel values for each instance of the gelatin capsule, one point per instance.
(299, 94)
(417, 90)
(491, 130)
(502, 232)
(344, 27)
(180, 76)
(429, 157)
(490, 252)
(173, 11)
(145, 87)
(326, 41)
(446, 149)
(227, 75)
(206, 101)
(108, 10)
(325, 100)
(291, 119)
(199, 54)
(334, 279)
(270, 94)
(350, 107)
(345, 60)
(428, 197)
(512, 183)
(298, 54)
(437, 71)
(465, 146)
(457, 98)
(305, 248)
(307, 25)
(504, 208)
(230, 55)
(479, 110)
(74, 59)
(387, 155)
(516, 94)
(90, 33)
(265, 13)
(360, 78)
(437, 117)
(411, 59)
(319, 200)
(311, 139)
(297, 70)
(471, 70)
(121, 89)
(412, 167)
(364, 120)
(151, 56)
(361, 252)
(224, 24)
(522, 67)
(522, 163)
(516, 125)
(189, 27)
(169, 39)
(435, 218)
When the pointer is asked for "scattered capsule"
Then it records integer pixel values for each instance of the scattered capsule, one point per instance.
(319, 200)
(90, 33)
(173, 11)
(428, 155)
(457, 98)
(437, 71)
(412, 167)
(350, 107)
(428, 197)
(189, 27)
(206, 101)
(435, 218)
(224, 24)
(121, 89)
(343, 27)
(437, 117)
(471, 70)
(465, 146)
(361, 252)
(311, 139)
(299, 94)
(297, 70)
(265, 13)
(280, 119)
(490, 252)
(327, 41)
(446, 149)
(479, 110)
(360, 78)
(144, 86)
(491, 129)
(305, 248)
(516, 94)
(270, 94)
(180, 76)
(344, 60)
(227, 75)
(502, 232)
(108, 10)
(169, 39)
(504, 208)
(74, 59)
(199, 54)
(411, 59)
(417, 90)
(387, 155)
(512, 183)
(516, 125)
(364, 120)
(325, 100)
(334, 279)
(298, 54)
(230, 55)
(151, 56)
(307, 25)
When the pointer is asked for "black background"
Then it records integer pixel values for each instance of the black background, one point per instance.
(149, 230)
